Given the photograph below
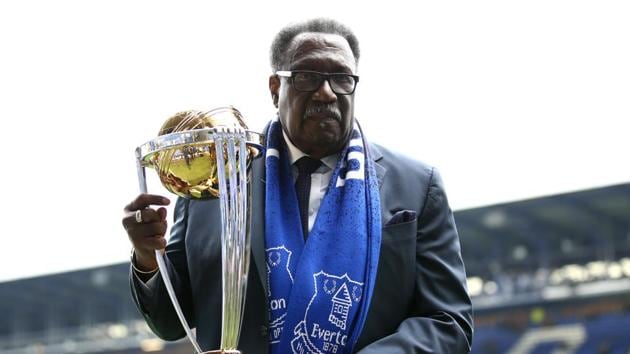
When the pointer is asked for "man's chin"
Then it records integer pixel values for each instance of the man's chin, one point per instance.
(329, 143)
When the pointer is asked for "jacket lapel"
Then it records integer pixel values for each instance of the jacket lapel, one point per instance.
(376, 156)
(257, 226)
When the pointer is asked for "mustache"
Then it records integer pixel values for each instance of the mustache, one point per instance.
(326, 109)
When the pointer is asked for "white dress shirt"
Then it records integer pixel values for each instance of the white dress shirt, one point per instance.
(319, 179)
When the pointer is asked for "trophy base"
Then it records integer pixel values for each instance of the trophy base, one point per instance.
(223, 351)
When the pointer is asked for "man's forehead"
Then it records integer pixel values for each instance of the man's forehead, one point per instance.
(307, 43)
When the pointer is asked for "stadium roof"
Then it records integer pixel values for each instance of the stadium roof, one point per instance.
(547, 232)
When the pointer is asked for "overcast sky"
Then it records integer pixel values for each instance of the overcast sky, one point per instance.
(510, 100)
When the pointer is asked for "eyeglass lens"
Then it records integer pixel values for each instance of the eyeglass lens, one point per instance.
(339, 83)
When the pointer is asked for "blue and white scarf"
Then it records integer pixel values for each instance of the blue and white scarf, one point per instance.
(320, 290)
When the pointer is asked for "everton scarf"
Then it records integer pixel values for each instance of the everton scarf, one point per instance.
(320, 290)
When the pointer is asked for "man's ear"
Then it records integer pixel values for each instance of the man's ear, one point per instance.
(274, 88)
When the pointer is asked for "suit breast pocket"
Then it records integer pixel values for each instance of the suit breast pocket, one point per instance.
(395, 278)
(398, 256)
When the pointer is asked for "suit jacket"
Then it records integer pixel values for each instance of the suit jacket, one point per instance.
(420, 302)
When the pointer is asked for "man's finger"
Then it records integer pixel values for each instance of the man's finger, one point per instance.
(139, 217)
(146, 216)
(154, 243)
(162, 213)
(144, 200)
(140, 231)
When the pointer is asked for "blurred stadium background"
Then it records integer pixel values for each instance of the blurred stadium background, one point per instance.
(547, 275)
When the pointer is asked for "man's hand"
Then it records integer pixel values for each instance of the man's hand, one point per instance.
(146, 228)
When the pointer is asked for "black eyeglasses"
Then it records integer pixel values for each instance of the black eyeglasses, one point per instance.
(310, 81)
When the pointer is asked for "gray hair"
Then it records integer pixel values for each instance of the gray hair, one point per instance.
(283, 39)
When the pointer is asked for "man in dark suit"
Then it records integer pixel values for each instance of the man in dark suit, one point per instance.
(417, 301)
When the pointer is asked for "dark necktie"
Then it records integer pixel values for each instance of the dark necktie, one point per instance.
(306, 166)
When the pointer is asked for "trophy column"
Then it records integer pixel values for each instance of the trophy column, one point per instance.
(204, 157)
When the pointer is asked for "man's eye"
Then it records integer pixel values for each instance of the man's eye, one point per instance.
(305, 77)
(343, 79)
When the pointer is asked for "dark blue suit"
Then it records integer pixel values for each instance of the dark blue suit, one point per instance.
(420, 303)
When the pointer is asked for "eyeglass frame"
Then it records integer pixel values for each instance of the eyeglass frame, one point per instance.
(324, 77)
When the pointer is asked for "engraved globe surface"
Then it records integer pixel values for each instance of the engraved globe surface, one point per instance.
(189, 169)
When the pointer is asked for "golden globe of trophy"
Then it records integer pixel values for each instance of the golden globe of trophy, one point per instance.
(206, 155)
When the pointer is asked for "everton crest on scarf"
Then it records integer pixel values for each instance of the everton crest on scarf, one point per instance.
(320, 290)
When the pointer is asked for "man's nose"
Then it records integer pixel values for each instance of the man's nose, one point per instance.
(324, 93)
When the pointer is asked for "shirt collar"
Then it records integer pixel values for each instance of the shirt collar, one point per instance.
(295, 154)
